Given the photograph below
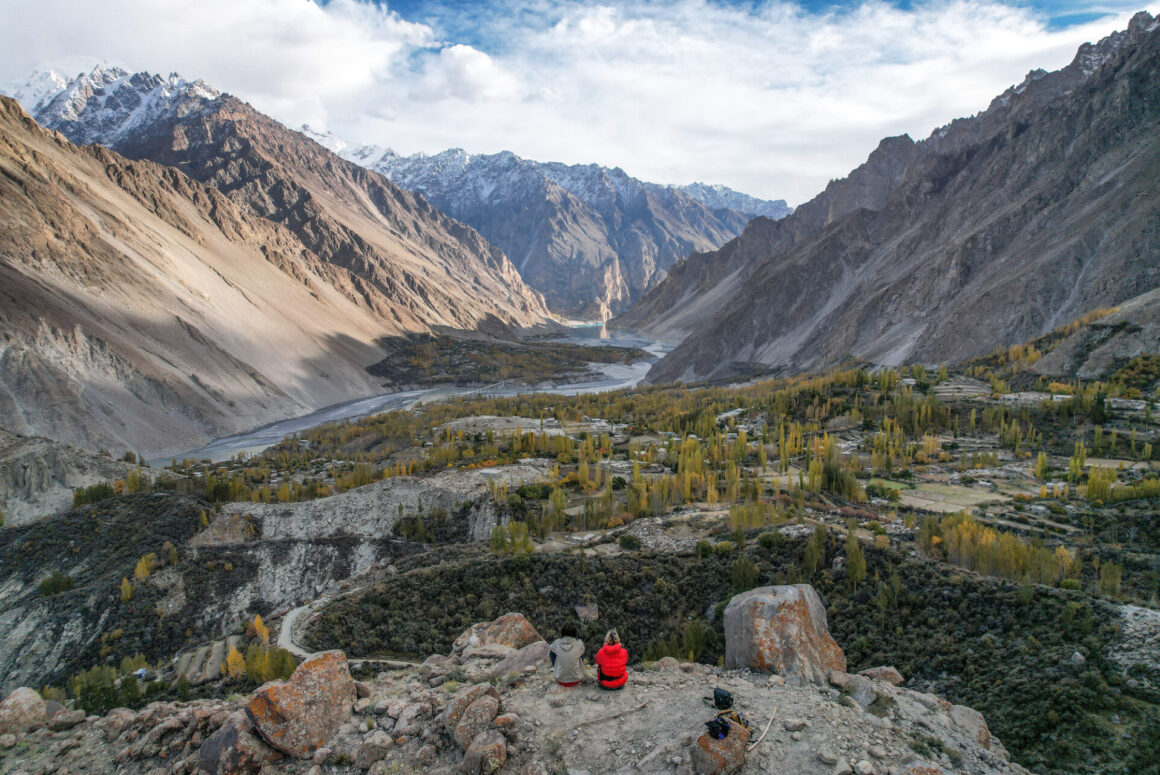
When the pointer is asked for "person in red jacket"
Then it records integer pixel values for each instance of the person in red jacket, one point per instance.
(611, 663)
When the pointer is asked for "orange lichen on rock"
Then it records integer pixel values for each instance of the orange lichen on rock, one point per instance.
(782, 629)
(298, 716)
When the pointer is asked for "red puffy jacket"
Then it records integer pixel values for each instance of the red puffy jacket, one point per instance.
(612, 662)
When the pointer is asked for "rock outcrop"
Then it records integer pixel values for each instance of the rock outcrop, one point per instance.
(38, 476)
(298, 716)
(782, 629)
(410, 721)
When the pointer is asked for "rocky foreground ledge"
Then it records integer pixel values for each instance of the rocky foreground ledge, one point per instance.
(492, 706)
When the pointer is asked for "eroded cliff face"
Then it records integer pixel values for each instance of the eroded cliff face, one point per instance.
(37, 476)
(993, 231)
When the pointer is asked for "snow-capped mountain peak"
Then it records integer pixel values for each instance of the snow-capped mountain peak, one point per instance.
(108, 102)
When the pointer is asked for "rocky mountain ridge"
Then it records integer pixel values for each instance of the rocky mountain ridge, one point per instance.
(992, 231)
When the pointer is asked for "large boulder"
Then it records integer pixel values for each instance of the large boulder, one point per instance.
(234, 749)
(298, 716)
(511, 630)
(782, 629)
(21, 711)
(721, 757)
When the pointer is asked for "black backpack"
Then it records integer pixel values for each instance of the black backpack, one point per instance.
(718, 729)
(722, 700)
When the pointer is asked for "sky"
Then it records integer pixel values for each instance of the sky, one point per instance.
(771, 98)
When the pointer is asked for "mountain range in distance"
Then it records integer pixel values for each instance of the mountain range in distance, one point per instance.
(590, 238)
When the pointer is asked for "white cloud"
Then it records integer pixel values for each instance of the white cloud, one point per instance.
(771, 100)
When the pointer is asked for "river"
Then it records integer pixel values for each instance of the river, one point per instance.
(616, 376)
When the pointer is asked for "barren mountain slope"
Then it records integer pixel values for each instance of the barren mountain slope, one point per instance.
(993, 231)
(414, 266)
(143, 310)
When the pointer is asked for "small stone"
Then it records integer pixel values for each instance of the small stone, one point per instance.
(827, 757)
(427, 755)
(7, 741)
(793, 724)
(321, 755)
(797, 736)
(842, 768)
(878, 752)
(506, 720)
(374, 748)
(864, 768)
(534, 768)
(884, 673)
(486, 754)
(776, 680)
(668, 663)
(361, 690)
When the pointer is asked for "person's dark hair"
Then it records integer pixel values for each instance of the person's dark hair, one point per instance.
(569, 631)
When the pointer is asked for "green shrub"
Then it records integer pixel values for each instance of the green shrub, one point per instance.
(629, 543)
(56, 583)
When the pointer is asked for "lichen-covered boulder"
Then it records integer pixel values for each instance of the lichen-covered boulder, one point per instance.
(884, 673)
(782, 629)
(477, 718)
(486, 754)
(453, 710)
(22, 711)
(721, 757)
(511, 630)
(298, 716)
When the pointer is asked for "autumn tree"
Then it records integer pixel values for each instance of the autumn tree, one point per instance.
(235, 664)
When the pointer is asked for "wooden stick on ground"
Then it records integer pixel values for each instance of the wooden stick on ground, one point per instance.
(766, 732)
(609, 718)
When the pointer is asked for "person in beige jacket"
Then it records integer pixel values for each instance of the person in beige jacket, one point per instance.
(565, 653)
